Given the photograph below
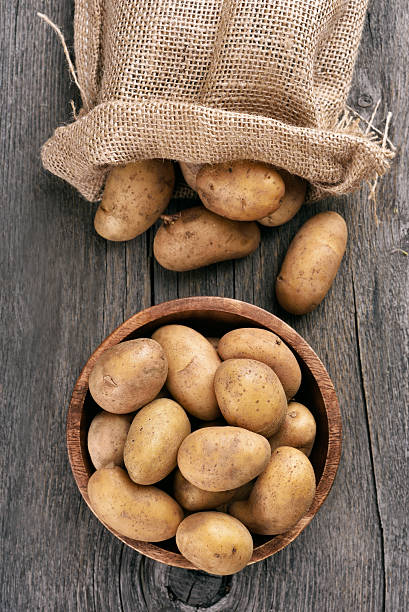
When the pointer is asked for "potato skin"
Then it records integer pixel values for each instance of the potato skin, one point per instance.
(194, 499)
(134, 197)
(222, 458)
(240, 190)
(290, 203)
(196, 237)
(282, 495)
(192, 364)
(128, 375)
(153, 441)
(106, 438)
(311, 263)
(189, 172)
(134, 511)
(298, 429)
(215, 542)
(262, 345)
(250, 395)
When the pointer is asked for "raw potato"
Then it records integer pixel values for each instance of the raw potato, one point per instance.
(311, 263)
(134, 511)
(189, 172)
(240, 190)
(222, 458)
(290, 203)
(128, 375)
(298, 429)
(281, 496)
(192, 365)
(134, 197)
(106, 438)
(215, 542)
(263, 345)
(193, 499)
(197, 237)
(153, 441)
(250, 395)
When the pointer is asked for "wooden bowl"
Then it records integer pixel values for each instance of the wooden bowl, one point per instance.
(215, 316)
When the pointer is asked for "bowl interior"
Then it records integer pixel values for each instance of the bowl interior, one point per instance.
(214, 323)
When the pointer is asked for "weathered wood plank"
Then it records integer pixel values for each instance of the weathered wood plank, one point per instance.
(379, 248)
(64, 289)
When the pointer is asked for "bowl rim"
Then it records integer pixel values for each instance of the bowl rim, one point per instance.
(259, 316)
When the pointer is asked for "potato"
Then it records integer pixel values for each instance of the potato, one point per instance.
(263, 345)
(134, 197)
(282, 495)
(192, 365)
(222, 458)
(134, 511)
(189, 172)
(250, 395)
(193, 499)
(311, 263)
(215, 542)
(153, 441)
(197, 237)
(240, 190)
(298, 429)
(128, 375)
(106, 438)
(290, 203)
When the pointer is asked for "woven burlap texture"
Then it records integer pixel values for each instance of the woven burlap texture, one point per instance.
(213, 81)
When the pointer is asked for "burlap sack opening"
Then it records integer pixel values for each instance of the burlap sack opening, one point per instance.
(217, 80)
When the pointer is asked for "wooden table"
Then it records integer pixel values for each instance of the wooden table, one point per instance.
(64, 289)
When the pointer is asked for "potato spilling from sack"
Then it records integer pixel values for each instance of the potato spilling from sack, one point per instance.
(235, 196)
(134, 197)
(197, 237)
(189, 172)
(311, 263)
(290, 203)
(241, 190)
(211, 434)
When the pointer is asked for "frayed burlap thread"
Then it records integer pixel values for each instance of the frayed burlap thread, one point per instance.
(217, 80)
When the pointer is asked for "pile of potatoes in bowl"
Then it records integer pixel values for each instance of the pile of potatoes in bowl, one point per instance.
(234, 197)
(200, 438)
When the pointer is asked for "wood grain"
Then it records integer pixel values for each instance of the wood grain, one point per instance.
(64, 289)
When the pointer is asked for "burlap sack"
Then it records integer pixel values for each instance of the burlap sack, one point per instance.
(216, 80)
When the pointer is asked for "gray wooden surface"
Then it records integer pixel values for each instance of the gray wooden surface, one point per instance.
(63, 289)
